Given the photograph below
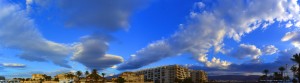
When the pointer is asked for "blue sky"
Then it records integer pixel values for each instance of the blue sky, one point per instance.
(54, 36)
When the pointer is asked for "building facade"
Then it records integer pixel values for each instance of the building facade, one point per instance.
(94, 78)
(65, 77)
(198, 76)
(132, 77)
(165, 74)
(38, 76)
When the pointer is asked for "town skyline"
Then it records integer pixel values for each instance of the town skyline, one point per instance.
(221, 37)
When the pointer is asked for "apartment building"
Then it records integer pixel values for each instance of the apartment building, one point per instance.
(165, 74)
(198, 76)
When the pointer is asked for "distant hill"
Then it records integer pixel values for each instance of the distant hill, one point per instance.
(235, 77)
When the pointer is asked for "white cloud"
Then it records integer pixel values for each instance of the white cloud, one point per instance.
(91, 52)
(246, 50)
(13, 65)
(288, 25)
(207, 29)
(216, 62)
(200, 5)
(19, 32)
(294, 37)
(114, 67)
(269, 50)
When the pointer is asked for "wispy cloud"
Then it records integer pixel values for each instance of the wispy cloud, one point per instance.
(293, 37)
(13, 65)
(246, 50)
(18, 31)
(206, 29)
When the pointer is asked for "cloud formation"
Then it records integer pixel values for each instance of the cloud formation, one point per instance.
(269, 50)
(294, 37)
(91, 52)
(282, 60)
(17, 31)
(206, 29)
(246, 50)
(105, 14)
(13, 65)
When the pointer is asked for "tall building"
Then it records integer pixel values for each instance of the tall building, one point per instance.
(132, 77)
(165, 74)
(198, 76)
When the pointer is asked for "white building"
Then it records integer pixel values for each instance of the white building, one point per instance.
(165, 74)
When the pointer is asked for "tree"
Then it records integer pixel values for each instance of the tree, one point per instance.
(95, 75)
(56, 79)
(178, 80)
(86, 74)
(188, 80)
(95, 71)
(296, 58)
(281, 69)
(276, 76)
(69, 75)
(266, 72)
(48, 78)
(294, 70)
(103, 74)
(78, 73)
(120, 80)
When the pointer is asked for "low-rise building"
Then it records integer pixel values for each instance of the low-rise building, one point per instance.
(65, 77)
(92, 78)
(132, 77)
(38, 76)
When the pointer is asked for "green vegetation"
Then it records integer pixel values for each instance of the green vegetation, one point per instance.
(281, 75)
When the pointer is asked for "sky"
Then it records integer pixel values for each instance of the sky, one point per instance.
(221, 37)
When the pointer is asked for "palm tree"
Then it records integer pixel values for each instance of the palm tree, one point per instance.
(95, 75)
(103, 74)
(86, 74)
(69, 75)
(78, 73)
(276, 76)
(281, 69)
(294, 70)
(296, 58)
(95, 71)
(266, 72)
